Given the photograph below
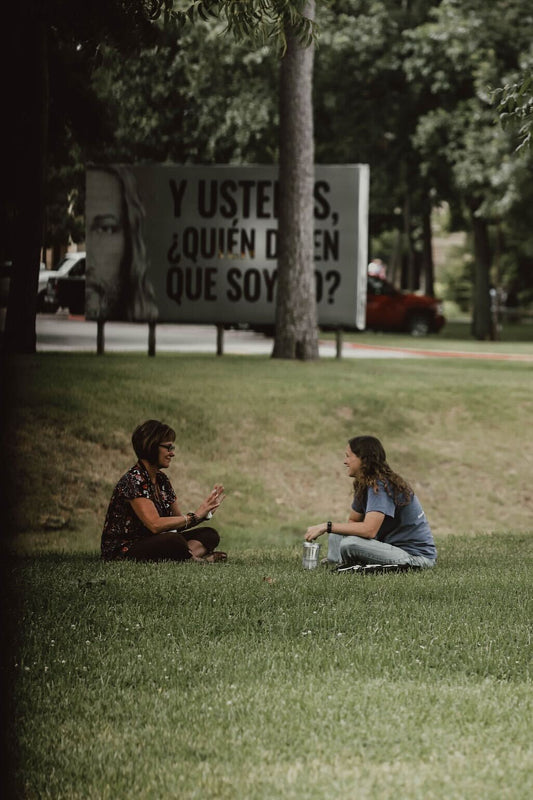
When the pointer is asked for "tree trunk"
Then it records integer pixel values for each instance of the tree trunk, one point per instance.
(27, 128)
(428, 265)
(296, 317)
(481, 320)
(408, 280)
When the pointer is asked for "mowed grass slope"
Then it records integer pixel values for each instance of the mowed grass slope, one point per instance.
(274, 433)
(258, 679)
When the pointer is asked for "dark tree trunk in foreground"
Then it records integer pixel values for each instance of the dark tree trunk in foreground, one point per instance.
(23, 201)
(296, 317)
(481, 321)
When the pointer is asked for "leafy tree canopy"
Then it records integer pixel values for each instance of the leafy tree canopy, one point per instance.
(515, 105)
(265, 21)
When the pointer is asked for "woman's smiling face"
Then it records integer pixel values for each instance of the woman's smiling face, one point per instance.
(352, 462)
(166, 454)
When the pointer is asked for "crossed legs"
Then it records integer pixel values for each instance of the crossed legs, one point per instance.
(356, 550)
(173, 546)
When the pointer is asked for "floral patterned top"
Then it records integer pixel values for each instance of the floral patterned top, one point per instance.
(122, 526)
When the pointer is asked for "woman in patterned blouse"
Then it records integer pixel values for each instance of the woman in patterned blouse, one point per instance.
(144, 521)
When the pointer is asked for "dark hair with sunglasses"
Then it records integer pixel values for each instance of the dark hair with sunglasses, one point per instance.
(147, 438)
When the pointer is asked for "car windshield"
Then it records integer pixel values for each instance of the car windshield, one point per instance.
(64, 265)
(377, 285)
(67, 262)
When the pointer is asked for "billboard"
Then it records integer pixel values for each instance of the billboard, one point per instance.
(199, 244)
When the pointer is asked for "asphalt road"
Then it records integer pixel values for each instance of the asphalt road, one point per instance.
(62, 333)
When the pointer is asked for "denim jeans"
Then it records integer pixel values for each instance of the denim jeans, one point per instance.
(356, 550)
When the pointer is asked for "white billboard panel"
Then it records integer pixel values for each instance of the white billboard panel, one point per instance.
(199, 244)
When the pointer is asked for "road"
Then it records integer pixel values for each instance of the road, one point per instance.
(63, 333)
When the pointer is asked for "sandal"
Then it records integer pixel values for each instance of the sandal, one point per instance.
(216, 557)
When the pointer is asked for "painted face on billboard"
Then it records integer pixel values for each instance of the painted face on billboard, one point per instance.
(106, 235)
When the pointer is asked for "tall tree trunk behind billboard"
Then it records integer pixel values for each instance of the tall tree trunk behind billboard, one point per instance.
(428, 265)
(481, 320)
(296, 318)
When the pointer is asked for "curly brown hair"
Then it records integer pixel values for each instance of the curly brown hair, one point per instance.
(374, 468)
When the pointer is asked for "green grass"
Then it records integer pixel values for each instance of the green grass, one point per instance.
(513, 338)
(257, 679)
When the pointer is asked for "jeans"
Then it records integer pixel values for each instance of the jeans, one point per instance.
(356, 550)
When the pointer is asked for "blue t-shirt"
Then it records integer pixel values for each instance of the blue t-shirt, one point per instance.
(405, 527)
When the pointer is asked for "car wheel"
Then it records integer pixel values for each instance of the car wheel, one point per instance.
(44, 306)
(419, 325)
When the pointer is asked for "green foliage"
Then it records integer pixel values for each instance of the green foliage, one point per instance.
(262, 21)
(364, 109)
(515, 105)
(457, 277)
(223, 105)
(458, 54)
(466, 157)
(78, 122)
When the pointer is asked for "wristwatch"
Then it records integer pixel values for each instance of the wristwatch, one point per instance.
(329, 524)
(209, 515)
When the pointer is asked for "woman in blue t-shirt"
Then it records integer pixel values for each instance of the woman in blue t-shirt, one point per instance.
(387, 524)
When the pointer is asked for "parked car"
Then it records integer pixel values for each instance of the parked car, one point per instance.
(64, 268)
(67, 290)
(388, 309)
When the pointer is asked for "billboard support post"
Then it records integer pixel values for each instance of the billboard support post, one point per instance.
(100, 338)
(220, 340)
(151, 338)
(338, 339)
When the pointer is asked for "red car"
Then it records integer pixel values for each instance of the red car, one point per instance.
(388, 309)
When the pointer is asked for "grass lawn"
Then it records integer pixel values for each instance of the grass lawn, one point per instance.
(514, 338)
(257, 679)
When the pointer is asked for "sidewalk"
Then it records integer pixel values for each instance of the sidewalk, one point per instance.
(64, 333)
